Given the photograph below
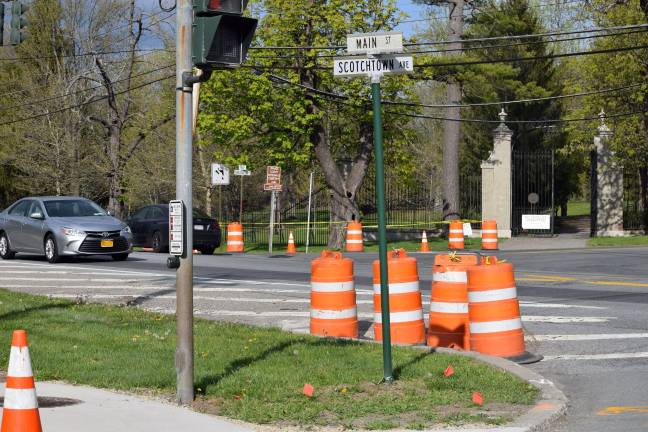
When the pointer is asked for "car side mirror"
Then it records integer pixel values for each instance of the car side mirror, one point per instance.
(37, 215)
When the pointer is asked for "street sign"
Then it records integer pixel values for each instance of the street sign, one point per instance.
(389, 64)
(375, 43)
(176, 228)
(274, 187)
(220, 175)
(242, 171)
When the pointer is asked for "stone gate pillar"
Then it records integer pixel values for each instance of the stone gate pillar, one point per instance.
(496, 180)
(609, 187)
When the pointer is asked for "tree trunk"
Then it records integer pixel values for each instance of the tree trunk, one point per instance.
(452, 131)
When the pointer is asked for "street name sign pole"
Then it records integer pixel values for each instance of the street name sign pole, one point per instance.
(273, 184)
(381, 49)
(242, 171)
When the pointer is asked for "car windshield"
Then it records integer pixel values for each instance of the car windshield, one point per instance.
(73, 208)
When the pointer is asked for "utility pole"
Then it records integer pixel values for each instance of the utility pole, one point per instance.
(184, 355)
(452, 129)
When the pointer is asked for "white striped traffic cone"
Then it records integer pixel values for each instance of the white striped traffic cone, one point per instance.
(291, 245)
(424, 243)
(20, 411)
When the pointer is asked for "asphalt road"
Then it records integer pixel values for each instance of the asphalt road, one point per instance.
(585, 311)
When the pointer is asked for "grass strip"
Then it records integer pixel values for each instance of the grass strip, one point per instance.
(618, 241)
(257, 374)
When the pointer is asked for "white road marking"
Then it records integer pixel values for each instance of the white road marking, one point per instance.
(529, 304)
(612, 356)
(64, 272)
(249, 282)
(97, 269)
(565, 319)
(173, 297)
(28, 279)
(587, 337)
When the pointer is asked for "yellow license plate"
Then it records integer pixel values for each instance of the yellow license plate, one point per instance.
(107, 243)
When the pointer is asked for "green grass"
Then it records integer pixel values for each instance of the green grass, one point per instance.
(254, 374)
(436, 244)
(618, 241)
(578, 208)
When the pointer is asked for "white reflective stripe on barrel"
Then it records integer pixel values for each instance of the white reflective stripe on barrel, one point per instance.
(489, 231)
(332, 286)
(492, 295)
(234, 243)
(20, 399)
(489, 240)
(495, 326)
(235, 233)
(333, 314)
(450, 276)
(354, 231)
(354, 241)
(400, 317)
(399, 288)
(19, 363)
(450, 308)
(456, 231)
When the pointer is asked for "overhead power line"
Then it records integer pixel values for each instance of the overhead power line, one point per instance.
(79, 105)
(342, 99)
(61, 96)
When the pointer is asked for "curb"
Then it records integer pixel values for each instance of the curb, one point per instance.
(546, 412)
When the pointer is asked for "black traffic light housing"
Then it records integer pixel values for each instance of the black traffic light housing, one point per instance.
(18, 21)
(221, 36)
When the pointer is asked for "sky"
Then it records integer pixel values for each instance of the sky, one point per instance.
(414, 11)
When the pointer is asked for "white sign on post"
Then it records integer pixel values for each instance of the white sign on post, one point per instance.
(375, 43)
(220, 175)
(389, 64)
(176, 228)
(242, 171)
(536, 222)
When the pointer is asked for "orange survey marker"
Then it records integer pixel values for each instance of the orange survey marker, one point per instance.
(235, 237)
(20, 411)
(489, 235)
(405, 307)
(333, 297)
(354, 237)
(425, 247)
(448, 325)
(494, 312)
(291, 245)
(456, 235)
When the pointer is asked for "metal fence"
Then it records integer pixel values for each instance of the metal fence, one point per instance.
(635, 214)
(532, 189)
(410, 208)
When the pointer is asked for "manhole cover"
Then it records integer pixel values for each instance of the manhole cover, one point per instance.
(52, 402)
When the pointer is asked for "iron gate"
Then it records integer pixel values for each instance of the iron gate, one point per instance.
(532, 189)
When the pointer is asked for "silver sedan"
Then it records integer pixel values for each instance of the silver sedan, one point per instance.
(62, 226)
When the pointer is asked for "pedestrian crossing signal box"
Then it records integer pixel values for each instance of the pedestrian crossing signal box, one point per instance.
(221, 35)
(177, 234)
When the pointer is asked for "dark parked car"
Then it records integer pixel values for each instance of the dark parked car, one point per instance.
(150, 226)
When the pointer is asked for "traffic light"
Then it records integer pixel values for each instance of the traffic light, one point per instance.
(221, 35)
(18, 21)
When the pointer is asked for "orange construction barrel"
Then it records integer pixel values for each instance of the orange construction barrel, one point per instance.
(489, 235)
(354, 237)
(405, 307)
(235, 237)
(456, 235)
(333, 296)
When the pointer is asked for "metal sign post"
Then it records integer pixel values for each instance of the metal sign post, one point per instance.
(242, 171)
(310, 197)
(273, 183)
(377, 64)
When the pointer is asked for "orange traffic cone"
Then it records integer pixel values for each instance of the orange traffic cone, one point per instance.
(20, 411)
(291, 245)
(424, 243)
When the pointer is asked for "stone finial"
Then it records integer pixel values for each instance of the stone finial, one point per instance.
(502, 115)
(603, 128)
(602, 117)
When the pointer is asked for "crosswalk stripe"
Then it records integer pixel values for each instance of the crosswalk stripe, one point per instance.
(565, 319)
(586, 337)
(611, 356)
(558, 306)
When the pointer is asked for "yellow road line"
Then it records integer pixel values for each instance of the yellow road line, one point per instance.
(611, 283)
(614, 410)
(528, 277)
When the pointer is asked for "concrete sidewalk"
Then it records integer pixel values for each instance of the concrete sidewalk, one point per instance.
(561, 241)
(106, 411)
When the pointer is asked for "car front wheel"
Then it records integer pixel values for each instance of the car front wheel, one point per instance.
(5, 250)
(51, 250)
